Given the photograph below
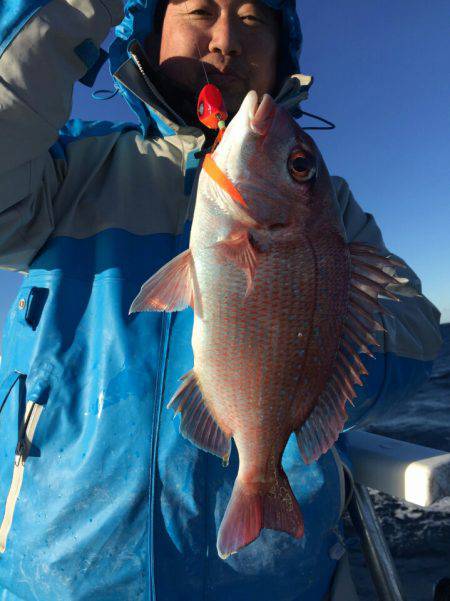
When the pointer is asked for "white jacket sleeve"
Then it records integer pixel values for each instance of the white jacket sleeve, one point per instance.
(412, 338)
(38, 69)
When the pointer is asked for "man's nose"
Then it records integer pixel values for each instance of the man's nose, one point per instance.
(225, 37)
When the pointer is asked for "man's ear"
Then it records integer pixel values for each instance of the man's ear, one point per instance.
(152, 47)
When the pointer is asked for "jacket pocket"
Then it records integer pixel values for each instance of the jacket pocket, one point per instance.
(26, 430)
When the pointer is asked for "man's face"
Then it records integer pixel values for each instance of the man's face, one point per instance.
(236, 40)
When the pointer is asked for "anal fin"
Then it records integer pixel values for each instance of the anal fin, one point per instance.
(197, 423)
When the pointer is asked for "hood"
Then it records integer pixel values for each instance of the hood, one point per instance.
(126, 57)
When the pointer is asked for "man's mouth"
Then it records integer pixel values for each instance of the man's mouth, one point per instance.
(224, 74)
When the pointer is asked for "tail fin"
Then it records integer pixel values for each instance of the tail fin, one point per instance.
(251, 510)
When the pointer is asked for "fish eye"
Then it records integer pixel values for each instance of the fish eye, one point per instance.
(301, 166)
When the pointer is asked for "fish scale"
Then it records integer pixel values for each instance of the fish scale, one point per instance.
(283, 306)
(238, 337)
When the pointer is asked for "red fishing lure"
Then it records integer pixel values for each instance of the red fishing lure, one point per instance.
(211, 110)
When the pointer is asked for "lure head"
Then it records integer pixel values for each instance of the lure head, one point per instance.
(211, 109)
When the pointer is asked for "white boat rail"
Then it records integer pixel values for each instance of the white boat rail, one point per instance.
(417, 474)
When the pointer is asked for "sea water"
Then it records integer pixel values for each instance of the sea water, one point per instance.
(419, 539)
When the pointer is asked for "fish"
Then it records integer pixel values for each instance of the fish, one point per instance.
(283, 306)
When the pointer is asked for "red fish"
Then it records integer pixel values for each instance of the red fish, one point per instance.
(283, 305)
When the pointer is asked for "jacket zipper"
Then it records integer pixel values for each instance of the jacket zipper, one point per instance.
(160, 388)
(160, 382)
(139, 62)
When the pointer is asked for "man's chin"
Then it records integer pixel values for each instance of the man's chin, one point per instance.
(183, 96)
(233, 100)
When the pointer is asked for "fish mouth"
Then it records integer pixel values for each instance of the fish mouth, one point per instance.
(261, 114)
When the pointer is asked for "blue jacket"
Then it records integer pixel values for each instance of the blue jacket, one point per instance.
(100, 496)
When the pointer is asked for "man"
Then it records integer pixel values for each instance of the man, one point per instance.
(101, 496)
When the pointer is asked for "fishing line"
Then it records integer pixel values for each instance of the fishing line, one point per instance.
(211, 110)
(329, 124)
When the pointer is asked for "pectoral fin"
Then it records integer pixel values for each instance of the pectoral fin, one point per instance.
(238, 249)
(170, 288)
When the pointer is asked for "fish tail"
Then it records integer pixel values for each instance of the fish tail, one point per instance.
(281, 508)
(252, 508)
(242, 521)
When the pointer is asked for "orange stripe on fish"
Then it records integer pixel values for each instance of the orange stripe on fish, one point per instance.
(220, 178)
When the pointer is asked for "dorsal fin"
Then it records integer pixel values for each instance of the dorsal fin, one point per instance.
(367, 280)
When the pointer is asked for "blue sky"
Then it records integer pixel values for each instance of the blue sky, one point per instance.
(381, 74)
